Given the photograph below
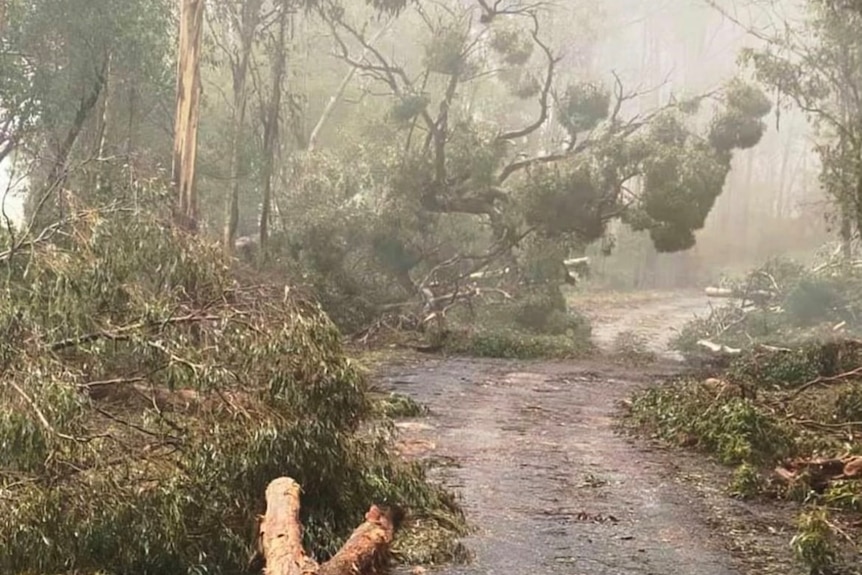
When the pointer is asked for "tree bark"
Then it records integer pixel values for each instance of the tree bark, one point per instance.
(248, 26)
(846, 236)
(188, 112)
(271, 130)
(57, 174)
(281, 538)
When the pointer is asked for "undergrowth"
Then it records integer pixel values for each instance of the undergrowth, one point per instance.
(632, 349)
(537, 325)
(782, 303)
(782, 418)
(147, 399)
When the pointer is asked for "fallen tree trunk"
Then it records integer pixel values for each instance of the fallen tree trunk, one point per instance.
(720, 292)
(718, 348)
(365, 553)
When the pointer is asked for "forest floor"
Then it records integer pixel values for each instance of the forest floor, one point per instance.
(550, 483)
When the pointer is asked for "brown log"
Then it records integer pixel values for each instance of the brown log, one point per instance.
(821, 472)
(365, 553)
(367, 550)
(281, 531)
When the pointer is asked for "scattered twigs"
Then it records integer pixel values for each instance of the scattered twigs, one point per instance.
(125, 332)
(820, 380)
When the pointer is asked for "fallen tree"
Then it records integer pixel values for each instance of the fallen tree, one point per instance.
(157, 395)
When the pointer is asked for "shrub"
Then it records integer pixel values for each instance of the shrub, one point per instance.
(514, 344)
(632, 348)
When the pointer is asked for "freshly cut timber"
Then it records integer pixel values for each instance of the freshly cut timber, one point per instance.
(280, 538)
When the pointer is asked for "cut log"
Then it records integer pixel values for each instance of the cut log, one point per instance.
(280, 537)
(281, 531)
(719, 292)
(821, 472)
(735, 294)
(718, 348)
(367, 550)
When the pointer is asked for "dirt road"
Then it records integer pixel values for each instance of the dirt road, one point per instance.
(545, 479)
(656, 319)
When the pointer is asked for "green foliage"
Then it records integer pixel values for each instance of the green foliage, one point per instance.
(583, 106)
(736, 429)
(847, 406)
(146, 392)
(814, 543)
(515, 344)
(342, 247)
(813, 301)
(408, 108)
(775, 368)
(46, 82)
(747, 482)
(512, 44)
(565, 200)
(396, 405)
(632, 348)
(780, 303)
(814, 65)
(787, 407)
(446, 52)
(543, 310)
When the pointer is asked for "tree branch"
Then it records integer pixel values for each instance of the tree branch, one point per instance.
(546, 88)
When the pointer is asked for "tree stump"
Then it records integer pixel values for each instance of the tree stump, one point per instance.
(280, 538)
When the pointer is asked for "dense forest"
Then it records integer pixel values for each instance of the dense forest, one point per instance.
(204, 198)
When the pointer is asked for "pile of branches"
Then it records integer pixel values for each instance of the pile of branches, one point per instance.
(147, 399)
(780, 304)
(789, 420)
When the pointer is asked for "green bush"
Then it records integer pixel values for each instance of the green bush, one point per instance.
(535, 325)
(786, 305)
(815, 300)
(148, 399)
(515, 344)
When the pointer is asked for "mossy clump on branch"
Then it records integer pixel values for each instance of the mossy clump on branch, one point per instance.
(148, 399)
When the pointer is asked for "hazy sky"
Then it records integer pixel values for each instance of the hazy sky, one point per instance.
(13, 203)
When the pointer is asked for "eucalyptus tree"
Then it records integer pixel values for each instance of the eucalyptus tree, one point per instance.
(63, 62)
(815, 64)
(463, 123)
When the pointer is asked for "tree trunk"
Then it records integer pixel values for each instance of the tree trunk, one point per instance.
(248, 26)
(339, 93)
(102, 137)
(281, 538)
(59, 164)
(846, 236)
(271, 129)
(188, 112)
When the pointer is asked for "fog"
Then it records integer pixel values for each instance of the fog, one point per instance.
(276, 272)
(693, 47)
